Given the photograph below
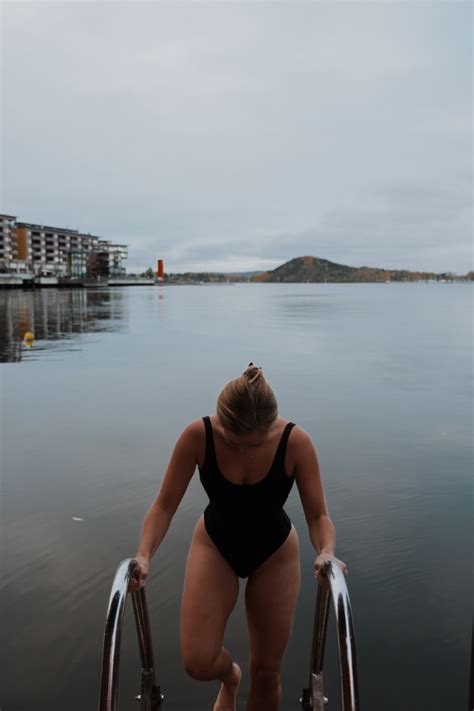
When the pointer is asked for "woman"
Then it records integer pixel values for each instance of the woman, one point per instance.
(248, 458)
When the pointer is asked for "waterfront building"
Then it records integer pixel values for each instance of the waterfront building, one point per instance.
(40, 250)
(9, 246)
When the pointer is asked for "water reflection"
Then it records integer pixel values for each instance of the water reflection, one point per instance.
(34, 321)
(160, 298)
(303, 308)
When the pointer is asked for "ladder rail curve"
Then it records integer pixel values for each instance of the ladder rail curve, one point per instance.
(313, 698)
(150, 696)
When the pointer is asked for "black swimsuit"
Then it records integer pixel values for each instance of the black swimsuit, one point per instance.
(246, 522)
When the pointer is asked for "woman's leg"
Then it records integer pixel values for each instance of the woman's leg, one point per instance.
(270, 600)
(210, 591)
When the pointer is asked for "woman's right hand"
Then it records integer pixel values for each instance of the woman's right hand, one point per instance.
(140, 573)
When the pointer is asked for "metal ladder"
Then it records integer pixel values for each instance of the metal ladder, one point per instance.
(313, 698)
(150, 695)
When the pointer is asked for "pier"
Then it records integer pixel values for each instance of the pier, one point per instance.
(30, 281)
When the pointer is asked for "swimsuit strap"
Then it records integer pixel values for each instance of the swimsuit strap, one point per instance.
(210, 453)
(281, 449)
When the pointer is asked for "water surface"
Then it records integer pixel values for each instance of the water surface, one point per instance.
(378, 374)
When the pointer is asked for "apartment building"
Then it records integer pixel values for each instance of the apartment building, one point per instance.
(8, 245)
(41, 250)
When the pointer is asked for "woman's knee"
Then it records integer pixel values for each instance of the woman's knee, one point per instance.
(265, 674)
(198, 665)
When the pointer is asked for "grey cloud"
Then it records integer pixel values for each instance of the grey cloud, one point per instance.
(391, 212)
(212, 133)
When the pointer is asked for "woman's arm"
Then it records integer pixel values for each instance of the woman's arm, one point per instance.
(175, 482)
(308, 480)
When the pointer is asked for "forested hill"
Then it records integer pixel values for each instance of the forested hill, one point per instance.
(314, 269)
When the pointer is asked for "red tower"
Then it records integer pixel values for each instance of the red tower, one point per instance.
(161, 270)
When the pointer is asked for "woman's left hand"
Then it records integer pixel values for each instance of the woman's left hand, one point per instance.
(318, 567)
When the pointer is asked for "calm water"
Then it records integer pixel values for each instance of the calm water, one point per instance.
(378, 374)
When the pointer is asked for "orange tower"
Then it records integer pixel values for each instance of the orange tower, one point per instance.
(161, 270)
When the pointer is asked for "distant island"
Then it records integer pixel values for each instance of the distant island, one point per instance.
(316, 270)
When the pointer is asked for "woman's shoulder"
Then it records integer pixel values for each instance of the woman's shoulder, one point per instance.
(298, 435)
(192, 434)
(192, 438)
(299, 447)
(194, 429)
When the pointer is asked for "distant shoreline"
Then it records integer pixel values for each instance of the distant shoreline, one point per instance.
(30, 285)
(300, 270)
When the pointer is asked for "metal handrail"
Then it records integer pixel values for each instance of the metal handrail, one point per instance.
(150, 696)
(313, 698)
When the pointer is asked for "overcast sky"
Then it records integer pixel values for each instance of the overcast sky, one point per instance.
(238, 135)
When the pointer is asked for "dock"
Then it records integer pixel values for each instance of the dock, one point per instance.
(30, 281)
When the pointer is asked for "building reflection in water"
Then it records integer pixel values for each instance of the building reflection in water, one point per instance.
(55, 317)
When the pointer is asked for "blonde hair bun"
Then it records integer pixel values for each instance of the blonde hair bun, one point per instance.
(253, 373)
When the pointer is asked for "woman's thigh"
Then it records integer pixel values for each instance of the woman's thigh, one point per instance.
(210, 591)
(270, 601)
